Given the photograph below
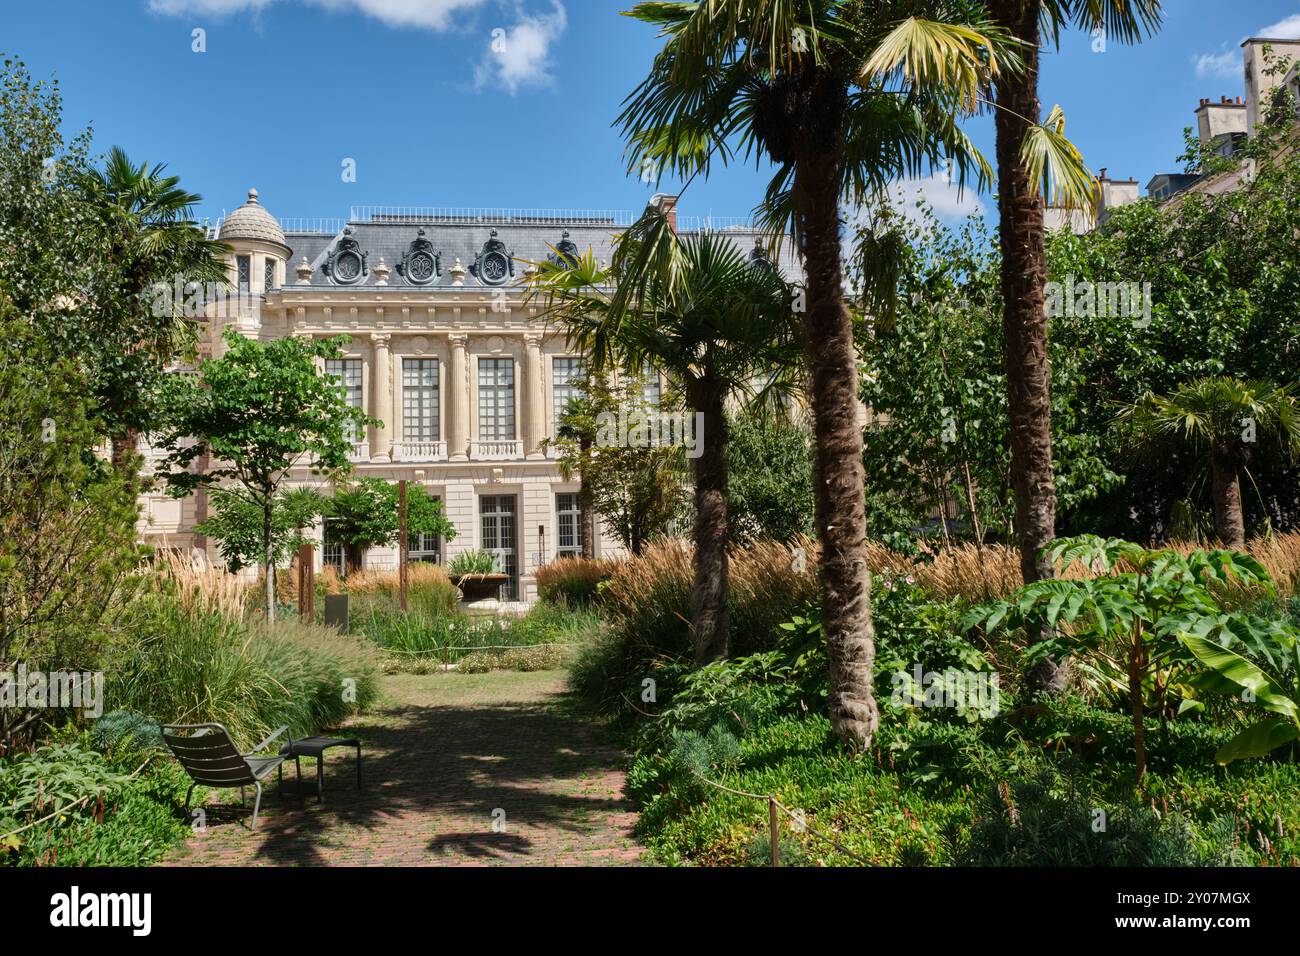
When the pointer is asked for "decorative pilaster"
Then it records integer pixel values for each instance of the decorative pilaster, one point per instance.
(534, 401)
(458, 400)
(381, 403)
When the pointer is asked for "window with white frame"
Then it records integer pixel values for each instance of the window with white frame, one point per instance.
(568, 525)
(420, 400)
(347, 374)
(650, 389)
(426, 547)
(496, 399)
(566, 374)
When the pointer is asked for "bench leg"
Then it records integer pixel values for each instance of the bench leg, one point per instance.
(257, 803)
(320, 777)
(358, 766)
(188, 794)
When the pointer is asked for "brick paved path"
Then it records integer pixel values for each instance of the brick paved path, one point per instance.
(440, 755)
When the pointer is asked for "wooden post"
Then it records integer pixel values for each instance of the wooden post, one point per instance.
(306, 583)
(775, 824)
(403, 546)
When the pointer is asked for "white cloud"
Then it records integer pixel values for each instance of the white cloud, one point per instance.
(1226, 65)
(947, 201)
(1288, 29)
(425, 14)
(520, 55)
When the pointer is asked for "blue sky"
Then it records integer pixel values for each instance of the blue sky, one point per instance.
(432, 114)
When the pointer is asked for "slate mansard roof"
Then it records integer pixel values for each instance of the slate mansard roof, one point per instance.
(527, 237)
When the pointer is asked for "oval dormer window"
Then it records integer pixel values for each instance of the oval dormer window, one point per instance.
(420, 264)
(347, 263)
(494, 264)
(347, 267)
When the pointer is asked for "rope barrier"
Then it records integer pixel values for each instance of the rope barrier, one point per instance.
(441, 648)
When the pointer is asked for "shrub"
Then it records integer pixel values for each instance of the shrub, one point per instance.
(124, 732)
(473, 562)
(201, 666)
(540, 657)
(574, 582)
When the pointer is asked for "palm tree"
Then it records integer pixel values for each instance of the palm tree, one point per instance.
(1022, 153)
(1221, 419)
(713, 321)
(843, 97)
(154, 239)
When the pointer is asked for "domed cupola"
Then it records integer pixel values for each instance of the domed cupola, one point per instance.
(251, 221)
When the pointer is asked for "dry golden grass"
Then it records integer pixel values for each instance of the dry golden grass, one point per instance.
(574, 579)
(207, 589)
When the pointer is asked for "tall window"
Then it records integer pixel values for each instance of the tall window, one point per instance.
(566, 373)
(498, 527)
(420, 400)
(347, 372)
(268, 275)
(650, 390)
(244, 266)
(496, 399)
(568, 526)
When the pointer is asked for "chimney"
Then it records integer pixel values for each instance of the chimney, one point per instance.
(1103, 177)
(668, 206)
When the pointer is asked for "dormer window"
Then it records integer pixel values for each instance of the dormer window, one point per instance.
(420, 264)
(494, 264)
(566, 252)
(346, 264)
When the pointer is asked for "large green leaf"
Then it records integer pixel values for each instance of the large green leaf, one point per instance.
(1242, 673)
(1258, 741)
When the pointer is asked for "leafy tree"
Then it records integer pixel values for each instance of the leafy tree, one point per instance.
(1033, 160)
(770, 486)
(713, 321)
(639, 489)
(67, 526)
(1129, 623)
(156, 247)
(1222, 419)
(257, 411)
(236, 524)
(843, 97)
(365, 515)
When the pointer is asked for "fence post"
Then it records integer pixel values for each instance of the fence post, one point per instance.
(776, 831)
(306, 583)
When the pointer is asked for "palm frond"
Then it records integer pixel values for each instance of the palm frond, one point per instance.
(1055, 166)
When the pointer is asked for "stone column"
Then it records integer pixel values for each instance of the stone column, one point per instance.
(381, 402)
(458, 400)
(534, 396)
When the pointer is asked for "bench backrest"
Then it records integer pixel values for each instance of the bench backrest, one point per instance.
(208, 754)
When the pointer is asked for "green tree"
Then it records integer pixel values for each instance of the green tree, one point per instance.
(257, 411)
(715, 323)
(844, 97)
(236, 524)
(639, 488)
(1222, 420)
(769, 491)
(1035, 161)
(156, 247)
(67, 526)
(364, 515)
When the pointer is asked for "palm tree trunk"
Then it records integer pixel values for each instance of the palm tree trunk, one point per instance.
(1024, 322)
(586, 512)
(1229, 522)
(838, 478)
(709, 589)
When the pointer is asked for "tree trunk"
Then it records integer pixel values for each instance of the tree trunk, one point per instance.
(838, 479)
(1136, 668)
(1024, 318)
(351, 558)
(124, 448)
(709, 589)
(586, 512)
(268, 556)
(1229, 522)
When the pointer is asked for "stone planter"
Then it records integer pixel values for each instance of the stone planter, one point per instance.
(480, 587)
